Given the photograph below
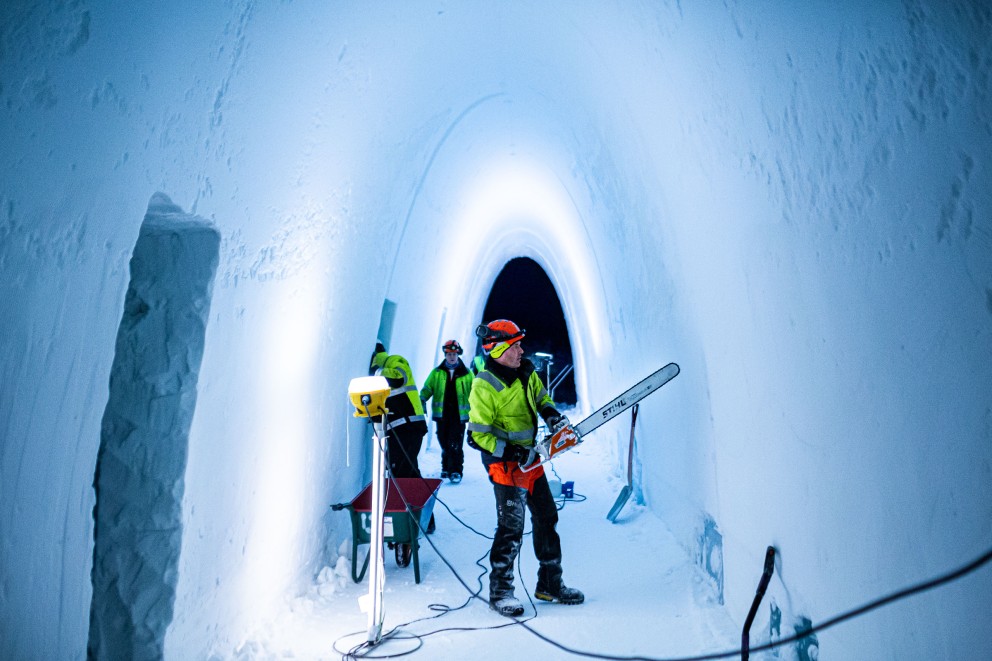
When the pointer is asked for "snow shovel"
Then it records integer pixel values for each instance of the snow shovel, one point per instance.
(628, 488)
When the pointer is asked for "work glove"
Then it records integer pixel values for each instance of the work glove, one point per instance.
(519, 454)
(472, 444)
(556, 422)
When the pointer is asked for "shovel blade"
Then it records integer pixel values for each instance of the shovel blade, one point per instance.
(621, 501)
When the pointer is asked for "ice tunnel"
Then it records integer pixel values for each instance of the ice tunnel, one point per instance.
(522, 292)
(794, 206)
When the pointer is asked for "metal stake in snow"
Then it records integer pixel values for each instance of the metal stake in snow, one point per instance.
(766, 576)
(368, 394)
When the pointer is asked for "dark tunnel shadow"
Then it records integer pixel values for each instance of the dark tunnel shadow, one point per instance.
(524, 294)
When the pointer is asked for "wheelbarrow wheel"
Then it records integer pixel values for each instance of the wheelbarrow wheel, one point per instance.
(403, 554)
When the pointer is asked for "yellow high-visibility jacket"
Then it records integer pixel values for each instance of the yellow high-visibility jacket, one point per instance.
(501, 413)
(404, 400)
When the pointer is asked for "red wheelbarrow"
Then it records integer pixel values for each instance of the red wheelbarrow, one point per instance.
(399, 523)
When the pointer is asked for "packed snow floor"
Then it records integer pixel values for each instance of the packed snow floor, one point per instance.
(644, 595)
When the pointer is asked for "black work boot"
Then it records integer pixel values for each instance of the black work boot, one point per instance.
(506, 605)
(560, 595)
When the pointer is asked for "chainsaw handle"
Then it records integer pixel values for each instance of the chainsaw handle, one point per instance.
(552, 445)
(540, 457)
(532, 465)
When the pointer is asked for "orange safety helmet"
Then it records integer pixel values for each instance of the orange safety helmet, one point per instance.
(499, 333)
(452, 345)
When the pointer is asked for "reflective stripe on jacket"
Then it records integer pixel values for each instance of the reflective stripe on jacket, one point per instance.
(501, 414)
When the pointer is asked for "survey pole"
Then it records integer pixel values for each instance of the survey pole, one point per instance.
(368, 395)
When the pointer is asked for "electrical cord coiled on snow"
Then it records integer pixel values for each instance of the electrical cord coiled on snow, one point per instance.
(917, 588)
(561, 500)
(364, 650)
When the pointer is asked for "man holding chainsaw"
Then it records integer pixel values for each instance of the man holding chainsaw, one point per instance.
(506, 398)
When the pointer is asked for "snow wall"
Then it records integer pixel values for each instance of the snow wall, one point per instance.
(794, 207)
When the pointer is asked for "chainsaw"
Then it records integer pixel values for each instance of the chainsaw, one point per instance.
(565, 436)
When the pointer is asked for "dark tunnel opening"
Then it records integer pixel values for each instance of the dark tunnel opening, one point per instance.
(524, 294)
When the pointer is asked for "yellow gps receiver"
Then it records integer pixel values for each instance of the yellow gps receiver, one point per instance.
(368, 395)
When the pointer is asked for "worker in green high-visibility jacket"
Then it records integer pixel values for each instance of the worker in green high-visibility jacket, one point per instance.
(448, 386)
